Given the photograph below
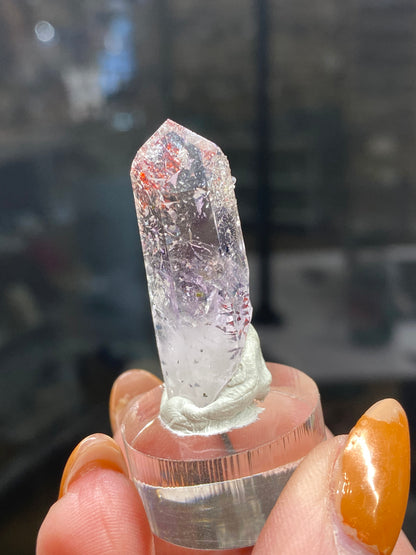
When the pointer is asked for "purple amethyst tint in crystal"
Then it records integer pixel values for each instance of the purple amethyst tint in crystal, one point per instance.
(195, 260)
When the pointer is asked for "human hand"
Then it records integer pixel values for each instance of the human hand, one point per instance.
(362, 478)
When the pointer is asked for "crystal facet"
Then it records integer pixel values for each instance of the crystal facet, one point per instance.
(195, 260)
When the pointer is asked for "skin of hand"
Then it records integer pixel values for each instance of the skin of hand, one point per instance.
(349, 495)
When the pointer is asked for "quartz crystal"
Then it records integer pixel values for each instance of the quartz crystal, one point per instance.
(195, 260)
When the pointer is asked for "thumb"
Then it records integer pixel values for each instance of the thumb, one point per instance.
(349, 495)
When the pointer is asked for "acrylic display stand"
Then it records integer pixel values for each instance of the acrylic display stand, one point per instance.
(216, 492)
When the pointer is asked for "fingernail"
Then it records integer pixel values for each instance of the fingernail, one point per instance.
(374, 476)
(95, 451)
(127, 386)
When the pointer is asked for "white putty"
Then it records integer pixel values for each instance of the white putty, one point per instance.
(234, 407)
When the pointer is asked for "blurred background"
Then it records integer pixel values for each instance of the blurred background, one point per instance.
(314, 102)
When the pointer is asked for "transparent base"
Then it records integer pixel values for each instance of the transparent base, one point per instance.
(216, 492)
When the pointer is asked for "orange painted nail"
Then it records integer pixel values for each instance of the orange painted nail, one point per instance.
(95, 451)
(128, 385)
(375, 475)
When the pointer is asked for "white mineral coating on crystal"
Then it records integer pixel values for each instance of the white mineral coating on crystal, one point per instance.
(235, 405)
(195, 260)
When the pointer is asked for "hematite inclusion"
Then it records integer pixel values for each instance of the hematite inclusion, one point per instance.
(195, 260)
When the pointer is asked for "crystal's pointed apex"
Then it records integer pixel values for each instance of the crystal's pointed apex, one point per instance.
(165, 142)
(167, 127)
(170, 126)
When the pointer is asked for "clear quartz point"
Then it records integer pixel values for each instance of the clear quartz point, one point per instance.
(195, 260)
